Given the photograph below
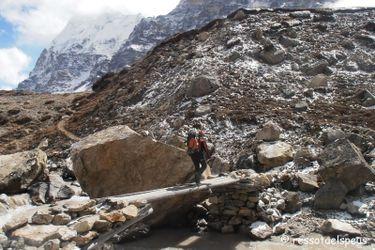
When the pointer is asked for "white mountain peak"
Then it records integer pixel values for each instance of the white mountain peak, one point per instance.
(95, 34)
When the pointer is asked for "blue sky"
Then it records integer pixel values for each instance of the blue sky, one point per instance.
(28, 26)
(9, 46)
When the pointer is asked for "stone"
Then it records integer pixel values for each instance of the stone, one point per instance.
(4, 241)
(52, 245)
(58, 188)
(330, 135)
(118, 160)
(288, 42)
(270, 132)
(61, 219)
(202, 110)
(292, 202)
(76, 206)
(348, 44)
(273, 57)
(66, 234)
(102, 226)
(203, 36)
(245, 212)
(37, 235)
(113, 216)
(218, 165)
(365, 97)
(85, 224)
(15, 223)
(336, 227)
(18, 171)
(38, 192)
(234, 56)
(227, 229)
(319, 82)
(307, 182)
(83, 240)
(42, 218)
(260, 230)
(331, 195)
(130, 212)
(246, 162)
(69, 246)
(201, 86)
(279, 228)
(233, 42)
(301, 106)
(19, 200)
(304, 156)
(235, 221)
(340, 160)
(370, 26)
(239, 15)
(3, 208)
(273, 154)
(319, 67)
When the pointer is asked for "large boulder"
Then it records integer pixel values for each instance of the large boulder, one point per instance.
(118, 160)
(273, 154)
(343, 161)
(201, 86)
(18, 171)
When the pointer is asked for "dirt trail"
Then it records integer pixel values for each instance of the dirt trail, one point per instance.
(70, 135)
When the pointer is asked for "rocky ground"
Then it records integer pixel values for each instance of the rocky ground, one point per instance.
(286, 98)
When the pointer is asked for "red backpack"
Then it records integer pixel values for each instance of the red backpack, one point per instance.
(192, 144)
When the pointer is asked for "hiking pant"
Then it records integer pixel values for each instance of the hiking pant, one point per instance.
(200, 166)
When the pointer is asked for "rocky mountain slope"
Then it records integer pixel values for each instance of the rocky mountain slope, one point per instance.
(306, 70)
(83, 51)
(188, 15)
(286, 100)
(80, 54)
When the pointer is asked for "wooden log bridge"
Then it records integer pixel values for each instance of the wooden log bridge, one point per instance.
(159, 196)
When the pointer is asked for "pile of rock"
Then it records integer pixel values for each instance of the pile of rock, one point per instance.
(253, 211)
(67, 224)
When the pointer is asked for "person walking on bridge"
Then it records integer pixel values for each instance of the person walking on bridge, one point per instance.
(198, 151)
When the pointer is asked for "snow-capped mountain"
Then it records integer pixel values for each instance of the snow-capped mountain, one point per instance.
(80, 53)
(90, 47)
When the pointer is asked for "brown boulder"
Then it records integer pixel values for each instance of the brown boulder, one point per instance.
(118, 160)
(274, 154)
(18, 171)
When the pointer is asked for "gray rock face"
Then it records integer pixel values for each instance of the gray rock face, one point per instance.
(343, 161)
(18, 171)
(330, 196)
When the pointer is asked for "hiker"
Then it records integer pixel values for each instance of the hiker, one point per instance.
(198, 151)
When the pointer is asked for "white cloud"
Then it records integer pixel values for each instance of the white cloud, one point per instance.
(13, 63)
(352, 3)
(39, 21)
